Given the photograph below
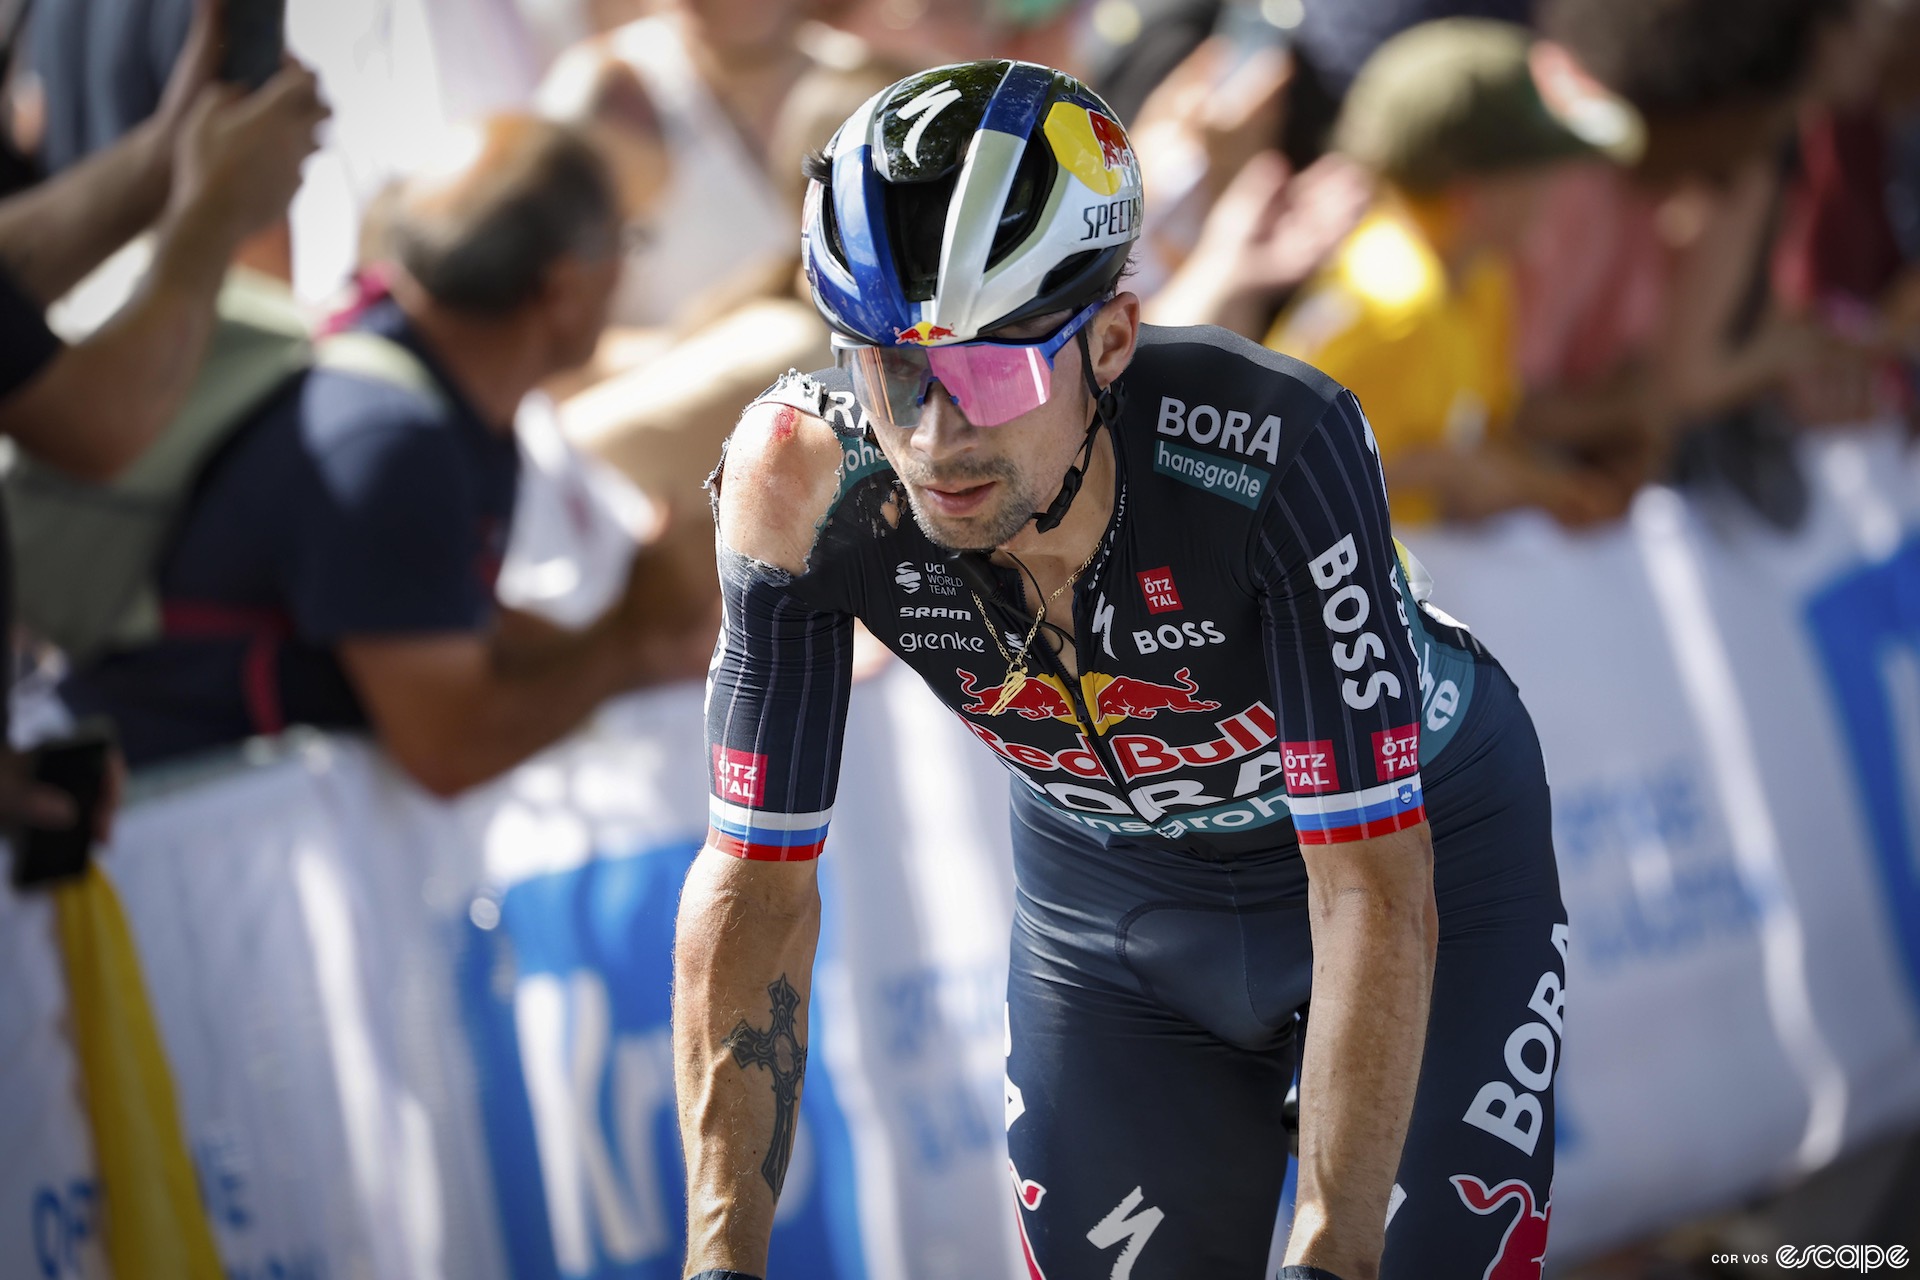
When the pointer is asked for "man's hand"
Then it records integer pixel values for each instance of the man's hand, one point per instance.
(1267, 233)
(237, 160)
(1229, 113)
(193, 71)
(667, 616)
(26, 803)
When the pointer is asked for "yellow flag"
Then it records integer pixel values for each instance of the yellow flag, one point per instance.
(153, 1223)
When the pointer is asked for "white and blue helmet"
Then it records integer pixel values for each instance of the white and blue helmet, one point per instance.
(967, 197)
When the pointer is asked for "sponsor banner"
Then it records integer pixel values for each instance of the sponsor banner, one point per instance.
(420, 1040)
(1731, 724)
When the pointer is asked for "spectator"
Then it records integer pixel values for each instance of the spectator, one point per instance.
(212, 167)
(1415, 310)
(715, 74)
(337, 562)
(1334, 40)
(660, 415)
(1644, 292)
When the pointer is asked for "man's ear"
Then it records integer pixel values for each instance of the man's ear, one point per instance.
(564, 286)
(1116, 328)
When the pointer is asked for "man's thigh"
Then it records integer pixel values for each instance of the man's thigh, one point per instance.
(1476, 1176)
(1141, 1146)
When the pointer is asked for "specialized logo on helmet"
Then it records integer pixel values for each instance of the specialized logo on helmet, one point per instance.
(1090, 146)
(926, 105)
(924, 334)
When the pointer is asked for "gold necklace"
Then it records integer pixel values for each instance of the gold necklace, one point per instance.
(1017, 669)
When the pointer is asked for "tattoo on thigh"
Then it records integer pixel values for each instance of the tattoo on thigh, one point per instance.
(779, 1050)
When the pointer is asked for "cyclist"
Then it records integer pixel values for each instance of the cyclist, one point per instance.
(1151, 570)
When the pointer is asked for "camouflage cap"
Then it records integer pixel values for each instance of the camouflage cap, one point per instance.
(1453, 98)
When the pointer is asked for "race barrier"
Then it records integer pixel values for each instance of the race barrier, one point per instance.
(419, 1040)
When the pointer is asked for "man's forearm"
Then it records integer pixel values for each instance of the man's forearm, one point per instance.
(105, 399)
(743, 963)
(53, 235)
(1372, 988)
(541, 682)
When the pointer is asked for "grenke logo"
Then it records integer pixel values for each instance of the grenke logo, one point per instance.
(940, 641)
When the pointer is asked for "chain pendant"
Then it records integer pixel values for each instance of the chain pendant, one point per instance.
(1009, 689)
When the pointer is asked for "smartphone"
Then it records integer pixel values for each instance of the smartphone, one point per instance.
(256, 41)
(78, 766)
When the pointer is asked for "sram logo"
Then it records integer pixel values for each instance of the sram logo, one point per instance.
(1188, 635)
(1345, 612)
(933, 611)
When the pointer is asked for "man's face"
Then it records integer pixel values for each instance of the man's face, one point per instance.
(974, 488)
(580, 291)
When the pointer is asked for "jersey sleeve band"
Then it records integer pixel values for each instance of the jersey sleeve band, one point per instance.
(760, 835)
(1359, 815)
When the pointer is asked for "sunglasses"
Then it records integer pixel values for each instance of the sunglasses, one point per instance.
(992, 382)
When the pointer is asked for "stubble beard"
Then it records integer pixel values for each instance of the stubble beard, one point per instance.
(983, 531)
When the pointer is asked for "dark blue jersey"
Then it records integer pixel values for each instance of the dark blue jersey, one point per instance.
(1255, 668)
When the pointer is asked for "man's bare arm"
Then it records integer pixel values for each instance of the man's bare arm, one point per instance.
(743, 954)
(456, 710)
(1375, 931)
(743, 970)
(99, 403)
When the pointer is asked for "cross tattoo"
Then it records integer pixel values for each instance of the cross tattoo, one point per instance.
(779, 1050)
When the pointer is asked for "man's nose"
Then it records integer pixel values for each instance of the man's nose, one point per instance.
(943, 431)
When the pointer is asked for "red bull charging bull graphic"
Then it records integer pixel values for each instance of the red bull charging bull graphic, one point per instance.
(923, 334)
(1523, 1249)
(1109, 699)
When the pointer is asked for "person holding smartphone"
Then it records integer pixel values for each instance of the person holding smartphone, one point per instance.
(212, 166)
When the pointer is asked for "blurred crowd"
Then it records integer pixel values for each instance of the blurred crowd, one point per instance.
(272, 352)
(266, 346)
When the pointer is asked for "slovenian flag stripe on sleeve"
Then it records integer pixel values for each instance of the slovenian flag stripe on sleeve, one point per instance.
(1358, 815)
(763, 836)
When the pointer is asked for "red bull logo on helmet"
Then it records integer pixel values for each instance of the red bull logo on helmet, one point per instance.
(1523, 1249)
(1092, 147)
(924, 334)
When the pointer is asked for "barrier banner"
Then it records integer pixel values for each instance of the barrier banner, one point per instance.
(1731, 722)
(899, 1161)
(416, 1040)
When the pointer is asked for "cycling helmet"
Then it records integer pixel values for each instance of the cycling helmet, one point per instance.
(967, 197)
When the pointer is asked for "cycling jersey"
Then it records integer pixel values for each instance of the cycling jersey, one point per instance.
(1256, 669)
(1258, 675)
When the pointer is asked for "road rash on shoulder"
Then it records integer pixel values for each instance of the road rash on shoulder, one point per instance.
(781, 472)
